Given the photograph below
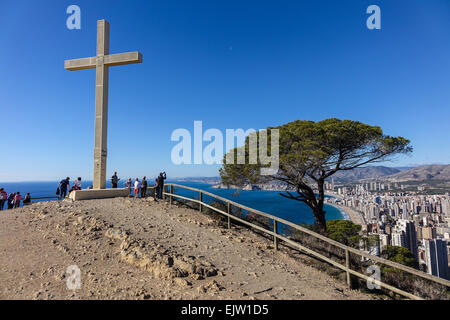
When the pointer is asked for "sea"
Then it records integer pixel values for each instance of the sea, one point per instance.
(267, 201)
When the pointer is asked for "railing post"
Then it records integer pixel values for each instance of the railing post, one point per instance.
(171, 192)
(200, 203)
(275, 238)
(347, 265)
(229, 212)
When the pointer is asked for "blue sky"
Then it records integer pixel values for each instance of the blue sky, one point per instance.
(231, 64)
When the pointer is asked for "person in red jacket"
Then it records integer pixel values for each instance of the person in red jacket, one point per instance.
(17, 199)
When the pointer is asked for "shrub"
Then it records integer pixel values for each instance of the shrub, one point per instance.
(344, 231)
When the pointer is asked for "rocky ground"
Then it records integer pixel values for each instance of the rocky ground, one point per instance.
(128, 248)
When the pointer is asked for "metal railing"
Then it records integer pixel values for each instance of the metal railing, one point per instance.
(169, 192)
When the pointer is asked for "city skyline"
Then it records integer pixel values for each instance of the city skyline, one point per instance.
(400, 218)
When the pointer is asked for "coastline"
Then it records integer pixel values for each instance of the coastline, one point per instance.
(253, 187)
(352, 215)
(344, 214)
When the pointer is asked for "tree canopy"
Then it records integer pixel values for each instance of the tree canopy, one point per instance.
(400, 255)
(344, 231)
(311, 152)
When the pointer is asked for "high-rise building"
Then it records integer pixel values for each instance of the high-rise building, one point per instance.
(396, 210)
(405, 208)
(410, 236)
(398, 239)
(416, 219)
(428, 233)
(446, 207)
(419, 233)
(436, 258)
(384, 240)
(378, 200)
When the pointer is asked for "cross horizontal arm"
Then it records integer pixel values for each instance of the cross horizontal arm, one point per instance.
(123, 58)
(109, 60)
(80, 64)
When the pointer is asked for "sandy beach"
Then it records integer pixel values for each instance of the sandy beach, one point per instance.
(354, 215)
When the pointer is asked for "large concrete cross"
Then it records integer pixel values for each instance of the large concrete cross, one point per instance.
(101, 63)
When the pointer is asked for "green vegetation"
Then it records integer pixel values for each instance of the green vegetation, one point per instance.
(400, 255)
(344, 231)
(311, 152)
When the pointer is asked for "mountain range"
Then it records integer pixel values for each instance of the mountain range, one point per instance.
(370, 173)
(364, 173)
(392, 174)
(422, 173)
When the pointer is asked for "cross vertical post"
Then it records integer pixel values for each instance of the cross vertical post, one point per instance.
(101, 106)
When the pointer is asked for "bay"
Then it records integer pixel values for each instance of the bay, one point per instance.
(267, 201)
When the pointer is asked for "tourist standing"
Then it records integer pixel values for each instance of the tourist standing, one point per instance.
(3, 198)
(11, 200)
(77, 184)
(114, 180)
(144, 187)
(63, 186)
(129, 184)
(137, 187)
(27, 200)
(156, 188)
(17, 199)
(161, 178)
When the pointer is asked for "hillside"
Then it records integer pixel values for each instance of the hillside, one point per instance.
(142, 249)
(422, 173)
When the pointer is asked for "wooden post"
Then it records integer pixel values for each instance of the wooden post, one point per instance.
(347, 265)
(275, 230)
(171, 192)
(229, 212)
(200, 204)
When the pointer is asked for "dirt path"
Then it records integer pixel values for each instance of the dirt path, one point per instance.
(139, 249)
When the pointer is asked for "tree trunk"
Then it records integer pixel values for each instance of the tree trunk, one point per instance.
(319, 214)
(319, 218)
